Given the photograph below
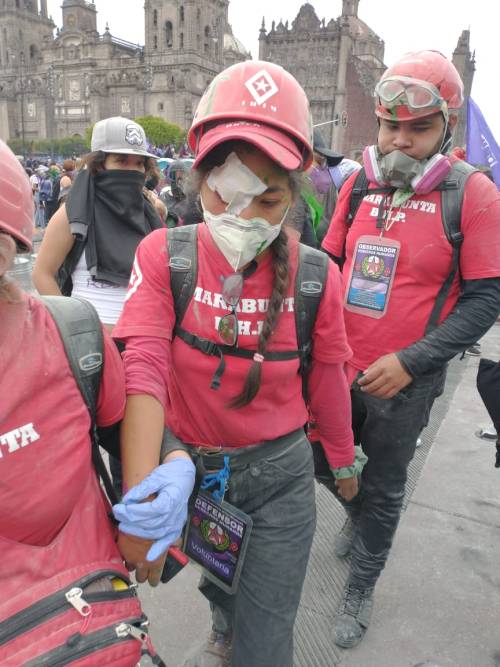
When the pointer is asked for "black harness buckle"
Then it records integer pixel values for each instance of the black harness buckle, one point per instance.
(206, 346)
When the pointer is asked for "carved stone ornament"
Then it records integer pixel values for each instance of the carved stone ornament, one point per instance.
(74, 90)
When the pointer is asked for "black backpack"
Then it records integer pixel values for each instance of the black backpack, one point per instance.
(81, 333)
(309, 287)
(452, 194)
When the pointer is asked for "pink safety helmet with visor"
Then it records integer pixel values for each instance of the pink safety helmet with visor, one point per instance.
(16, 200)
(258, 102)
(419, 84)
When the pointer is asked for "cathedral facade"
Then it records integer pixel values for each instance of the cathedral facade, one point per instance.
(56, 82)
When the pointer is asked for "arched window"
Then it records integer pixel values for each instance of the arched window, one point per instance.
(181, 14)
(198, 14)
(155, 18)
(32, 52)
(181, 40)
(206, 45)
(155, 41)
(169, 28)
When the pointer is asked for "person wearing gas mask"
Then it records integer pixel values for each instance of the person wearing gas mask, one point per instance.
(417, 234)
(211, 351)
(175, 200)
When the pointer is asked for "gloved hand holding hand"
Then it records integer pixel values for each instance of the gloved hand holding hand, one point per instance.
(163, 518)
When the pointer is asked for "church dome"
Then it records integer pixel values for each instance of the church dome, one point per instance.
(232, 43)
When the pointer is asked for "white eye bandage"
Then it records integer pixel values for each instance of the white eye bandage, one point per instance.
(235, 183)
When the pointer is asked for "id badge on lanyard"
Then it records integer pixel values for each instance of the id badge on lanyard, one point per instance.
(217, 533)
(372, 275)
(217, 538)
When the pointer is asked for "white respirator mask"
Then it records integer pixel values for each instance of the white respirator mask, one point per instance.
(240, 240)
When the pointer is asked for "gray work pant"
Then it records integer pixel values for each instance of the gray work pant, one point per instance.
(273, 483)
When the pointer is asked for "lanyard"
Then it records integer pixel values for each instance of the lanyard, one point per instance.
(384, 217)
(216, 482)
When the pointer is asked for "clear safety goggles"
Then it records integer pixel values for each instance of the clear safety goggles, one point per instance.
(415, 94)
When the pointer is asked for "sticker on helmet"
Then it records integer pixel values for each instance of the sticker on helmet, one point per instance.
(133, 135)
(261, 86)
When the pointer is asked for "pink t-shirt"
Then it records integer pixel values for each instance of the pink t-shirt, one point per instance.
(44, 423)
(424, 261)
(196, 413)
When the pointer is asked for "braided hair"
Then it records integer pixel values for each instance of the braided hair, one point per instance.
(279, 249)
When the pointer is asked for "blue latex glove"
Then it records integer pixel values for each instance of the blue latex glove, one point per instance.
(163, 518)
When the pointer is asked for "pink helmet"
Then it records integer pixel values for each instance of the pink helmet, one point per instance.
(16, 199)
(427, 79)
(258, 102)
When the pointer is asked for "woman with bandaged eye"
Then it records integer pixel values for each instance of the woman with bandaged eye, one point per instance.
(214, 318)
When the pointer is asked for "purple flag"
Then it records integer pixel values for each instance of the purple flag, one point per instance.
(481, 145)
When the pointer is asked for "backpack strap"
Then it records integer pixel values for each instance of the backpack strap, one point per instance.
(312, 274)
(310, 283)
(452, 194)
(183, 266)
(358, 192)
(81, 333)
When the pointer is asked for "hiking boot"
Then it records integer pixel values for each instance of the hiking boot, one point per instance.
(343, 539)
(215, 653)
(353, 616)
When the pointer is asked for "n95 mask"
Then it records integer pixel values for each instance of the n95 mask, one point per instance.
(240, 240)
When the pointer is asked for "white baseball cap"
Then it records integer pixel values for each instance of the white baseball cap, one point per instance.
(119, 135)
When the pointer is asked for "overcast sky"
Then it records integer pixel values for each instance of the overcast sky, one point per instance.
(404, 25)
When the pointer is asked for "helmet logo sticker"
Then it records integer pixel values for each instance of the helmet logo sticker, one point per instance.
(133, 136)
(261, 87)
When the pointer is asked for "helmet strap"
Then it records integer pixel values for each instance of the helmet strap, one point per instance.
(446, 141)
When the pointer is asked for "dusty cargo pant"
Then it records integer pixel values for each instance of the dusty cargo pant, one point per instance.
(388, 431)
(275, 486)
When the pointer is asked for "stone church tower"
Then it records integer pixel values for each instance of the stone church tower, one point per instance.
(24, 33)
(465, 63)
(185, 50)
(54, 86)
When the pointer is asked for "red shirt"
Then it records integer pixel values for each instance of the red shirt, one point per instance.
(44, 424)
(424, 261)
(194, 412)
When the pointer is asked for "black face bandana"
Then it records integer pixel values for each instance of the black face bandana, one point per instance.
(110, 211)
(120, 189)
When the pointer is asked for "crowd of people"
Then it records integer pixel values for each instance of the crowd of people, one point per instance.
(276, 309)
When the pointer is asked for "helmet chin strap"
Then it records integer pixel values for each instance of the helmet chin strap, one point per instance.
(446, 141)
